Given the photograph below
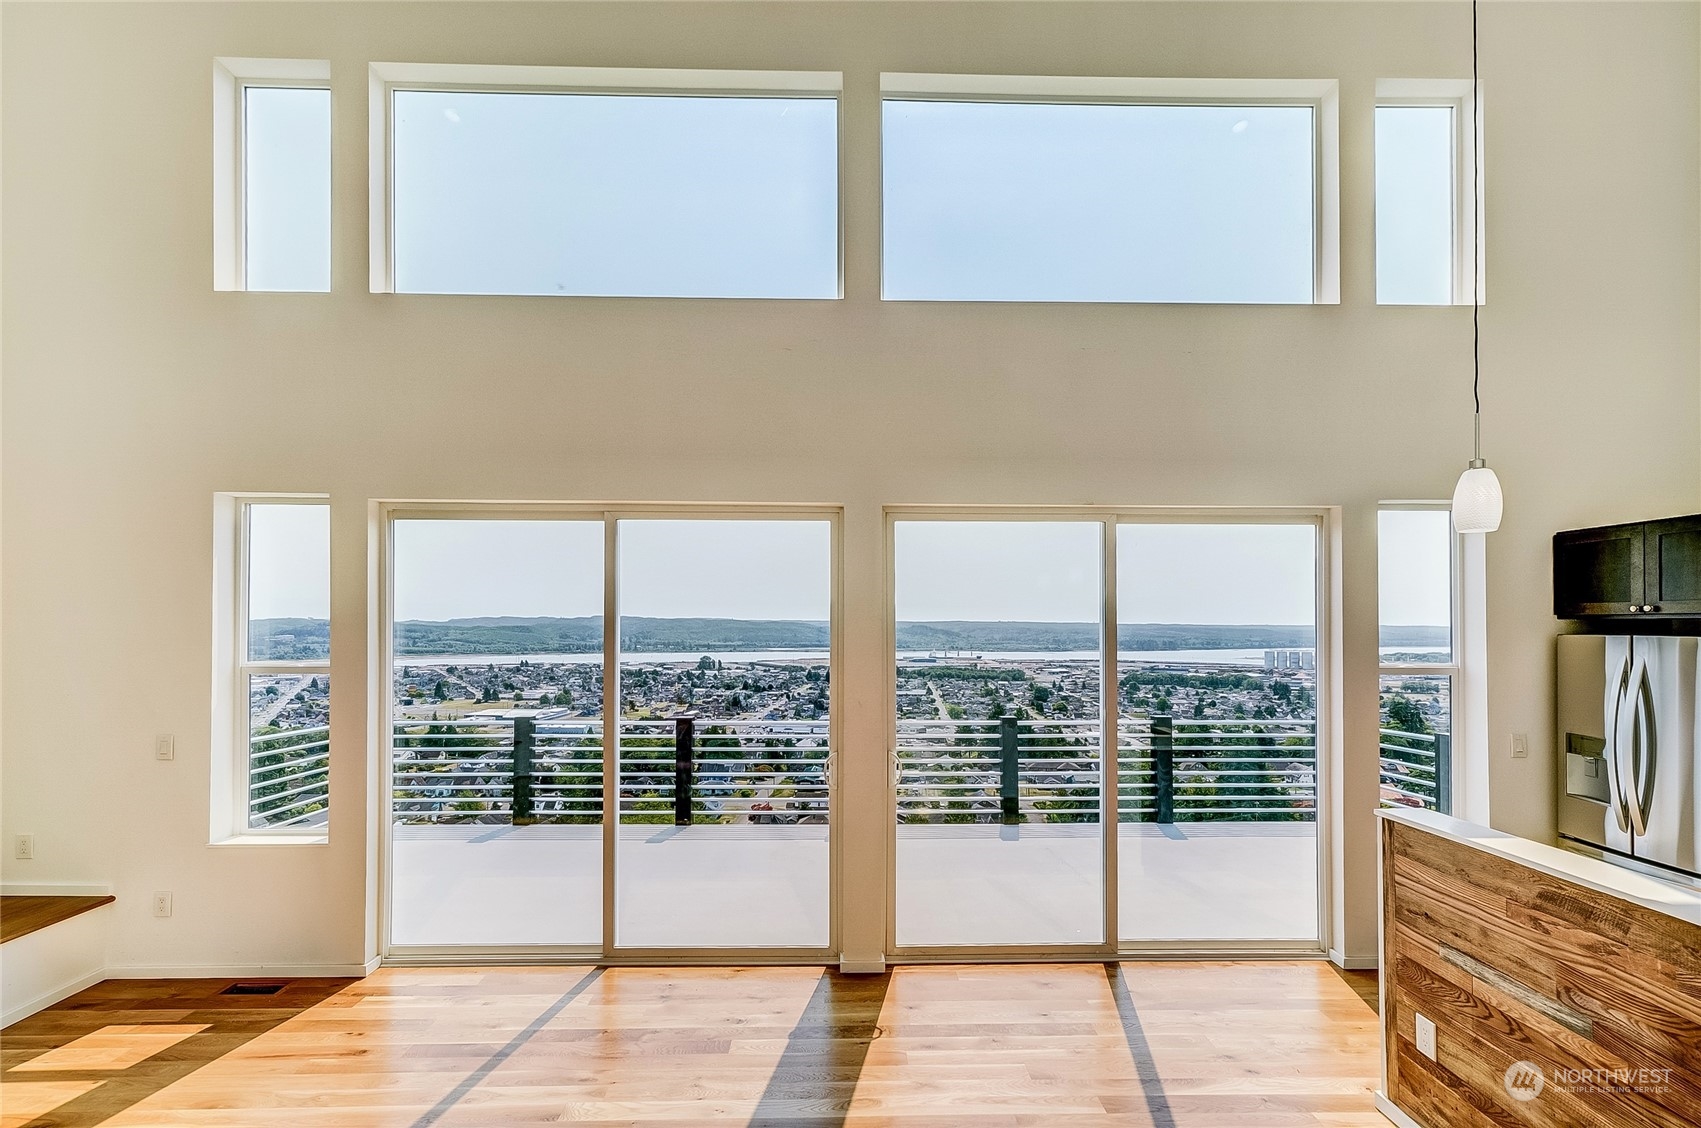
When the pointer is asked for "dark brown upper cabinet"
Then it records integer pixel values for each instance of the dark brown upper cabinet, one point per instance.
(1671, 566)
(1650, 568)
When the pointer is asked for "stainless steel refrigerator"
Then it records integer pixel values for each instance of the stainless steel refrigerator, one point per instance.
(1627, 725)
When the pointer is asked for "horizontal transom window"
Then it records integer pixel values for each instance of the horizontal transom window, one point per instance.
(641, 192)
(1097, 195)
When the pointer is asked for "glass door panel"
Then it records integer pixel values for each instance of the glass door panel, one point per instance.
(496, 804)
(999, 650)
(1217, 732)
(723, 735)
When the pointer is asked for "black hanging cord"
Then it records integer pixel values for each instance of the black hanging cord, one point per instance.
(1476, 243)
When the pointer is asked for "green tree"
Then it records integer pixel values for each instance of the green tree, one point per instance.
(1402, 714)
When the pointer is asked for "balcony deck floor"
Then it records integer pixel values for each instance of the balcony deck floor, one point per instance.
(748, 886)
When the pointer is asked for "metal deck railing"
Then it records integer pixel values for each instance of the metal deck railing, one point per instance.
(688, 770)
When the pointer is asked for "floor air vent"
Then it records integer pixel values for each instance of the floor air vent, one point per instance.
(252, 989)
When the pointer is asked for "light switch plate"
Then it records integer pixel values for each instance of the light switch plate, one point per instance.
(1426, 1037)
(1520, 746)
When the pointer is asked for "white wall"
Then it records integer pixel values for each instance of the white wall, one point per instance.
(133, 391)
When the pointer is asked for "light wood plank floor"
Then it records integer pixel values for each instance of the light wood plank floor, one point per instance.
(1136, 1045)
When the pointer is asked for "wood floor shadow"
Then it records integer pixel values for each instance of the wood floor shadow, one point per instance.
(229, 1021)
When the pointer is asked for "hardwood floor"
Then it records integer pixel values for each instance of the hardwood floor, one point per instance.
(1137, 1045)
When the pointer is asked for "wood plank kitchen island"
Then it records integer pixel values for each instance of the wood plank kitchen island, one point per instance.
(1564, 991)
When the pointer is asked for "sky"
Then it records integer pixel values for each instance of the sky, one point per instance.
(668, 569)
(1056, 202)
(1415, 567)
(289, 561)
(616, 195)
(287, 153)
(1039, 571)
(1414, 205)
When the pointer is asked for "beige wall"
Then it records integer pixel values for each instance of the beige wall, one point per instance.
(133, 391)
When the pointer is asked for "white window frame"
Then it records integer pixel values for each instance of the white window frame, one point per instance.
(384, 79)
(232, 79)
(1453, 669)
(231, 742)
(1457, 95)
(1322, 95)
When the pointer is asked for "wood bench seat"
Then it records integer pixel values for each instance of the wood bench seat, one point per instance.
(20, 916)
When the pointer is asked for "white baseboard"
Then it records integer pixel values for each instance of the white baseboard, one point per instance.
(47, 889)
(1392, 1111)
(1353, 963)
(57, 995)
(862, 967)
(374, 964)
(238, 971)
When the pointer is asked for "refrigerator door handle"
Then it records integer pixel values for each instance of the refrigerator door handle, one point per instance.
(1618, 691)
(1644, 754)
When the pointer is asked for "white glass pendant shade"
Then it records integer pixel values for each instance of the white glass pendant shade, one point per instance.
(1477, 501)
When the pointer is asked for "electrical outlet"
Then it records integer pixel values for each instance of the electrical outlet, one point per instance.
(162, 904)
(1520, 746)
(165, 747)
(1426, 1037)
(23, 847)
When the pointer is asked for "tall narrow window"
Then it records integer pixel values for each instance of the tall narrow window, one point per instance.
(707, 192)
(1417, 654)
(1416, 203)
(1094, 195)
(282, 674)
(272, 175)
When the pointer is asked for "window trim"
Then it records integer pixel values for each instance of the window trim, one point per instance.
(1322, 95)
(384, 79)
(1455, 94)
(232, 79)
(1453, 669)
(232, 741)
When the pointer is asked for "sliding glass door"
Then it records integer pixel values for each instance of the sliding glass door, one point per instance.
(1057, 674)
(1217, 732)
(724, 734)
(680, 805)
(496, 796)
(998, 632)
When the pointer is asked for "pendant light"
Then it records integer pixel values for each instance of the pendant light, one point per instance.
(1477, 500)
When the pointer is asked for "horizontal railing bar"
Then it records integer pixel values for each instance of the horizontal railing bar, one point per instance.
(285, 749)
(283, 734)
(321, 787)
(254, 784)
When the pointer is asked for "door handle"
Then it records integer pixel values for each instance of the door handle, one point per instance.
(1616, 720)
(1644, 754)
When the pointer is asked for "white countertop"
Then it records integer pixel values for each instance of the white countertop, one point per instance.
(1665, 897)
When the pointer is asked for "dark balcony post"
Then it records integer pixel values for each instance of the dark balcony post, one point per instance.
(1163, 767)
(1444, 773)
(525, 731)
(684, 733)
(1009, 795)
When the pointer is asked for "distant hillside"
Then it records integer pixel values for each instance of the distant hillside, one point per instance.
(986, 637)
(1413, 636)
(308, 638)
